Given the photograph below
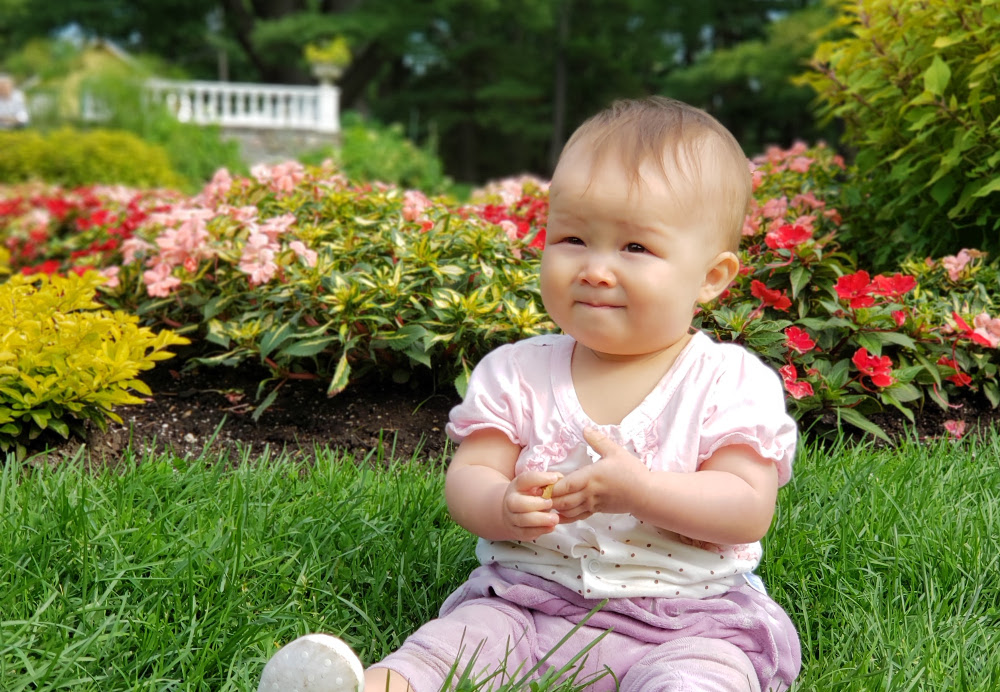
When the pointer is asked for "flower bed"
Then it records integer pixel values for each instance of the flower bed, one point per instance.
(315, 277)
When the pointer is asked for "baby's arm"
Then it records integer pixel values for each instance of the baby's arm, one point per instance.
(729, 500)
(486, 498)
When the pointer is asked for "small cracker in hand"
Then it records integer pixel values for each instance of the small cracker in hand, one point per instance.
(547, 492)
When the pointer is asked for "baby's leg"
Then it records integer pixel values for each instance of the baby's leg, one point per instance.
(498, 635)
(693, 664)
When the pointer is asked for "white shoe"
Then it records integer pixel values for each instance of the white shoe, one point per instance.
(313, 663)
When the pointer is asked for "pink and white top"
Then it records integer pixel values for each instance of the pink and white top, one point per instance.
(713, 395)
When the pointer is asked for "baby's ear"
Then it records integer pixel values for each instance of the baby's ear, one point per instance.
(721, 272)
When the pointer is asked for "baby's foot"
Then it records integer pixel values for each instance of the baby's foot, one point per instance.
(313, 663)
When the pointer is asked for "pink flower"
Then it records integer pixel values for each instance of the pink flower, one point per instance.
(807, 200)
(275, 226)
(305, 254)
(878, 368)
(954, 264)
(110, 275)
(797, 339)
(988, 328)
(770, 297)
(756, 176)
(855, 289)
(800, 164)
(258, 259)
(955, 428)
(216, 190)
(787, 236)
(133, 247)
(775, 208)
(159, 281)
(795, 388)
(415, 203)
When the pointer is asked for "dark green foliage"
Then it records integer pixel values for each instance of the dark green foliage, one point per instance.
(916, 85)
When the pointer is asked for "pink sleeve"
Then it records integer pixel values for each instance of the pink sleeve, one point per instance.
(746, 406)
(493, 399)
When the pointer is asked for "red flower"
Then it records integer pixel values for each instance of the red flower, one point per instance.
(899, 317)
(771, 297)
(969, 332)
(893, 286)
(796, 389)
(878, 368)
(47, 267)
(787, 236)
(855, 288)
(58, 207)
(798, 340)
(960, 378)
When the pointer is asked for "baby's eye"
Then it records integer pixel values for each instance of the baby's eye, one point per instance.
(572, 240)
(635, 247)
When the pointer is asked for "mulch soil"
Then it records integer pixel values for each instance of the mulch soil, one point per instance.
(210, 411)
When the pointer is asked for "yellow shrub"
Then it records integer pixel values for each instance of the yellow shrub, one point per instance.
(73, 158)
(64, 360)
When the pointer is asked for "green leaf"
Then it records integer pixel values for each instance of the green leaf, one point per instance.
(988, 188)
(273, 338)
(897, 338)
(265, 404)
(800, 278)
(341, 376)
(992, 392)
(307, 347)
(903, 392)
(870, 341)
(60, 427)
(859, 421)
(937, 76)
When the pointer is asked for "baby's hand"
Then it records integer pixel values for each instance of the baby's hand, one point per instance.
(526, 514)
(607, 485)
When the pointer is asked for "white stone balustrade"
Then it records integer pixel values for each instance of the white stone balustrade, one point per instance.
(248, 105)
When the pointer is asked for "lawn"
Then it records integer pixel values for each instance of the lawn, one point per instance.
(169, 574)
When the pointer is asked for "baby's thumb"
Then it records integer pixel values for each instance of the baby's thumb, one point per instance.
(599, 442)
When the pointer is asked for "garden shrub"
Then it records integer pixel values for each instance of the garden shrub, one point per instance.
(372, 152)
(195, 152)
(75, 157)
(916, 86)
(848, 344)
(314, 277)
(64, 360)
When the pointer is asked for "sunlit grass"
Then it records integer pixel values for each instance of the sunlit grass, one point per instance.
(165, 574)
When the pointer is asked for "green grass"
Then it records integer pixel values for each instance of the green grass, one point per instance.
(165, 574)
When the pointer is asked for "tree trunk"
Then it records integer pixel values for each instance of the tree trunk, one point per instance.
(559, 86)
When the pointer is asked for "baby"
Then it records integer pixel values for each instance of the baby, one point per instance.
(628, 458)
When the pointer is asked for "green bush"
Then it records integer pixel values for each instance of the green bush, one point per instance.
(372, 152)
(916, 86)
(195, 152)
(64, 361)
(73, 158)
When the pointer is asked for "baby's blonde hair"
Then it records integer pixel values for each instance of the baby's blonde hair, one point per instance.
(677, 137)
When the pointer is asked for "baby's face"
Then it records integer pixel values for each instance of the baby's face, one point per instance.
(624, 265)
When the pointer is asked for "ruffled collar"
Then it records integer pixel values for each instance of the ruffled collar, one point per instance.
(639, 426)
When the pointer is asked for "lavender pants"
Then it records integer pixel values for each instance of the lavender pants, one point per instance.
(508, 620)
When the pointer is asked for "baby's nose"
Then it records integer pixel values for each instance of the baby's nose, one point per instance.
(598, 271)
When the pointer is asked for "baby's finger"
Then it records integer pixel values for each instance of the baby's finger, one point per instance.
(535, 482)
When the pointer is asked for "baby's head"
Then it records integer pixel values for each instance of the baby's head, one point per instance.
(646, 210)
(697, 158)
